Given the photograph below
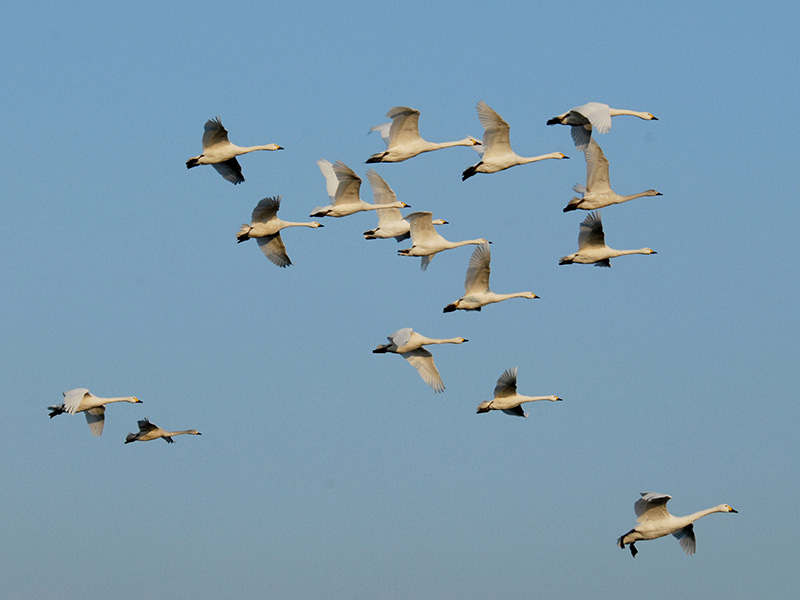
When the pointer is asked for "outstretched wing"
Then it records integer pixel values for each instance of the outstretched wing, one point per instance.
(422, 361)
(73, 398)
(96, 418)
(495, 131)
(478, 271)
(596, 169)
(214, 133)
(230, 170)
(405, 125)
(506, 384)
(274, 249)
(266, 209)
(651, 507)
(686, 538)
(591, 231)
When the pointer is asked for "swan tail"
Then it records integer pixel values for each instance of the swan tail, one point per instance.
(573, 205)
(469, 172)
(382, 349)
(370, 235)
(131, 437)
(192, 162)
(450, 308)
(566, 260)
(243, 234)
(376, 158)
(56, 409)
(555, 121)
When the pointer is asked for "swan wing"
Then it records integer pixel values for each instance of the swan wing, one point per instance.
(73, 399)
(383, 194)
(515, 412)
(332, 182)
(266, 209)
(421, 225)
(598, 114)
(506, 384)
(145, 426)
(96, 418)
(591, 231)
(478, 270)
(686, 538)
(581, 134)
(349, 185)
(651, 507)
(274, 249)
(405, 125)
(230, 170)
(383, 130)
(401, 337)
(214, 133)
(596, 169)
(422, 361)
(495, 131)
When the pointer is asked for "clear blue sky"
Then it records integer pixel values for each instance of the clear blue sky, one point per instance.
(325, 471)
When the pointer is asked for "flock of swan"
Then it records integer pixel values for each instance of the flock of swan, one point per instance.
(403, 141)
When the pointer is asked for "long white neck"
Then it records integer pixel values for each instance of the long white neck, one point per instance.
(396, 204)
(465, 243)
(615, 112)
(426, 341)
(701, 513)
(468, 141)
(524, 160)
(187, 431)
(501, 297)
(535, 398)
(246, 149)
(293, 224)
(120, 399)
(615, 253)
(621, 199)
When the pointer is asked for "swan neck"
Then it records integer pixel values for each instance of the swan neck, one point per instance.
(616, 112)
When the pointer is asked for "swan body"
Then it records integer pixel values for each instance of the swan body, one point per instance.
(148, 431)
(266, 228)
(426, 242)
(403, 140)
(598, 193)
(593, 116)
(655, 522)
(221, 154)
(507, 399)
(497, 152)
(476, 286)
(592, 247)
(92, 407)
(343, 189)
(409, 344)
(391, 223)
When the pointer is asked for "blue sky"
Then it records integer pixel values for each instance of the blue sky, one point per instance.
(325, 470)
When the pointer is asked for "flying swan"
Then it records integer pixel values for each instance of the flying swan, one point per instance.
(426, 242)
(403, 140)
(597, 192)
(343, 187)
(221, 154)
(655, 522)
(391, 223)
(497, 152)
(92, 407)
(148, 431)
(593, 115)
(266, 228)
(409, 344)
(476, 285)
(507, 399)
(592, 245)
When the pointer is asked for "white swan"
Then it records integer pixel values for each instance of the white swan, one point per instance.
(221, 154)
(426, 242)
(391, 223)
(507, 399)
(266, 228)
(343, 188)
(409, 344)
(592, 245)
(655, 522)
(598, 193)
(92, 407)
(593, 115)
(476, 285)
(148, 431)
(403, 140)
(497, 152)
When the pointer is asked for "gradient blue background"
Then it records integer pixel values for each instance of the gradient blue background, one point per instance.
(325, 471)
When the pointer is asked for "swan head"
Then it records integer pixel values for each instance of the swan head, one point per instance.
(727, 508)
(556, 399)
(562, 155)
(194, 432)
(653, 193)
(650, 251)
(475, 141)
(483, 407)
(651, 117)
(135, 400)
(440, 222)
(316, 224)
(463, 340)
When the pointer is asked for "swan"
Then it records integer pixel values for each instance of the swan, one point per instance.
(409, 344)
(148, 431)
(592, 245)
(507, 399)
(92, 407)
(266, 229)
(403, 140)
(476, 285)
(598, 193)
(497, 152)
(343, 188)
(391, 223)
(426, 242)
(655, 522)
(221, 154)
(593, 115)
